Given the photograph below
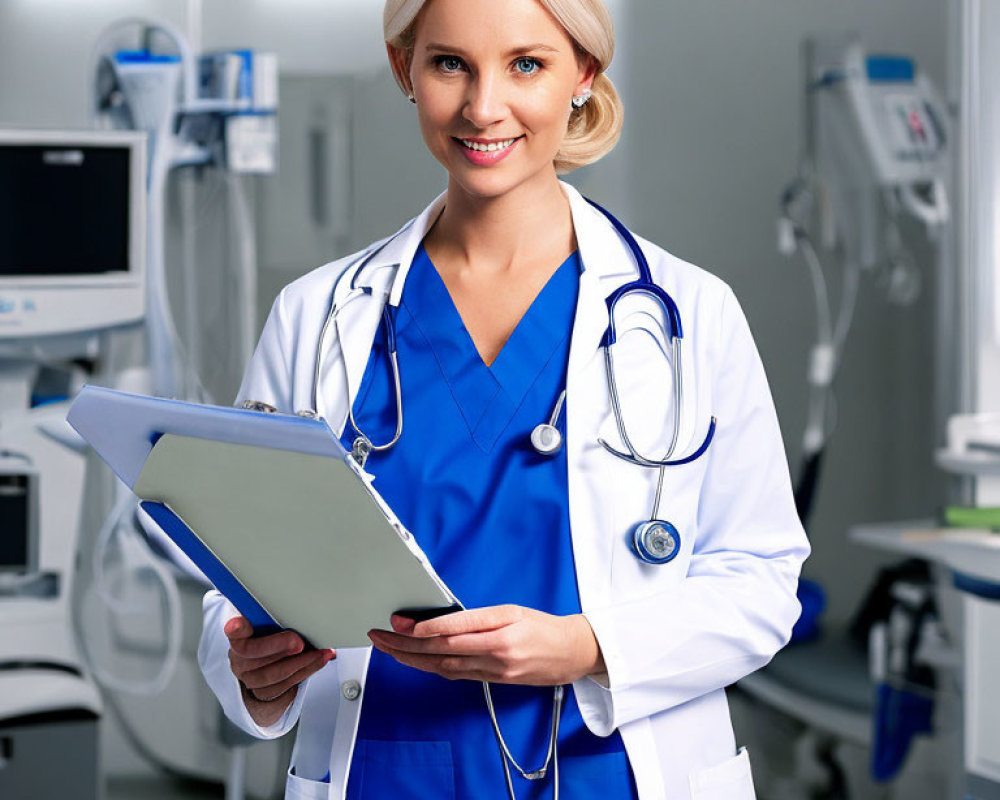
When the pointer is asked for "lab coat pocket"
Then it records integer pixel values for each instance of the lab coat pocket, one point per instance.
(730, 780)
(297, 788)
(404, 770)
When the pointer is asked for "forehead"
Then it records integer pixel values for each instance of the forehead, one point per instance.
(489, 24)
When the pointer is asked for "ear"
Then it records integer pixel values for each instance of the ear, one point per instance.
(399, 60)
(588, 69)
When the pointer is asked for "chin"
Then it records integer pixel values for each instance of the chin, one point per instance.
(490, 183)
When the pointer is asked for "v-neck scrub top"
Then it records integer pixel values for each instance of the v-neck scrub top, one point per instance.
(492, 515)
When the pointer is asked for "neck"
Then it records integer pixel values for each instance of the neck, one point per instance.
(520, 227)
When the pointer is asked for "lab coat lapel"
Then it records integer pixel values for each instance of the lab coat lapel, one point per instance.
(607, 264)
(380, 280)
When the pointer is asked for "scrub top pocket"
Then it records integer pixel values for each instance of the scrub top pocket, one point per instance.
(403, 771)
(599, 775)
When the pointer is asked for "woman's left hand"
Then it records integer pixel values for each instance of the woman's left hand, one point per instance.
(499, 644)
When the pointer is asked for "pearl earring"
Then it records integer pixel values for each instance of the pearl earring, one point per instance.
(580, 100)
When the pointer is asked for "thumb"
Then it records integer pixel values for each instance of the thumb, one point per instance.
(401, 624)
(238, 628)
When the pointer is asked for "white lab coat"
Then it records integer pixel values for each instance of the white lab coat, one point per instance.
(673, 636)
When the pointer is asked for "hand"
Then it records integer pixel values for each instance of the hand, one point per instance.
(499, 644)
(270, 668)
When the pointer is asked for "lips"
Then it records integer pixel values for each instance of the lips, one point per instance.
(486, 152)
(488, 145)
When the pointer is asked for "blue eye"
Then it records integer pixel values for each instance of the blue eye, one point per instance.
(527, 66)
(449, 63)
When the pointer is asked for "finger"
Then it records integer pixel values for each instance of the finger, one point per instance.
(478, 619)
(272, 692)
(286, 643)
(298, 677)
(450, 667)
(493, 643)
(278, 673)
(240, 666)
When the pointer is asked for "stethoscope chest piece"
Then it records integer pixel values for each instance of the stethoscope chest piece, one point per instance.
(546, 439)
(656, 541)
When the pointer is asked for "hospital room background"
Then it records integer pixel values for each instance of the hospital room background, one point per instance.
(729, 159)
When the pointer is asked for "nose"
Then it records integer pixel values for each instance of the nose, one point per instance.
(485, 102)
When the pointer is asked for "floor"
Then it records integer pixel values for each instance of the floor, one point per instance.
(159, 787)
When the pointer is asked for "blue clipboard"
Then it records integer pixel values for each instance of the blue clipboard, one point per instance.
(272, 510)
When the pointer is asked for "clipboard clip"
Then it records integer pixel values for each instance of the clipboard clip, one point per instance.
(360, 451)
(267, 408)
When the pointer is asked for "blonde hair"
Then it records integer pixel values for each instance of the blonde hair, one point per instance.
(595, 128)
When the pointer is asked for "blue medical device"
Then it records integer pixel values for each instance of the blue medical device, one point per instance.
(655, 541)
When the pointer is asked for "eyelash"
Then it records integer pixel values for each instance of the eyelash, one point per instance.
(439, 62)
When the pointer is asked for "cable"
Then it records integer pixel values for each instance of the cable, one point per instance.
(122, 509)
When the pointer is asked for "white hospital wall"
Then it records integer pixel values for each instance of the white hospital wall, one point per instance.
(714, 132)
(44, 49)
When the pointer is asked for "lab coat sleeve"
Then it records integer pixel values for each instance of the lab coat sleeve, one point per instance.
(268, 380)
(736, 606)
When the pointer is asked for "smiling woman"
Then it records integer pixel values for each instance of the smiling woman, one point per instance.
(595, 126)
(599, 637)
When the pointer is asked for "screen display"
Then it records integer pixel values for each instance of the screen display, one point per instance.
(64, 210)
(14, 533)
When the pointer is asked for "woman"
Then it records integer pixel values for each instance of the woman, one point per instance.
(497, 297)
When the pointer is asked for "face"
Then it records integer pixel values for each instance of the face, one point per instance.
(493, 83)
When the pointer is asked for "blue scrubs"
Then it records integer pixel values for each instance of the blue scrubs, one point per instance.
(492, 516)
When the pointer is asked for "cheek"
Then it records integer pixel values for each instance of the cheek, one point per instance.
(546, 118)
(436, 120)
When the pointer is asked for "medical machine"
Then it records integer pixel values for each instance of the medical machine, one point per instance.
(876, 159)
(57, 190)
(72, 267)
(876, 152)
(209, 124)
(19, 511)
(215, 110)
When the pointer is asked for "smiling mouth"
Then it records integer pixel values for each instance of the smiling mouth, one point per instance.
(495, 146)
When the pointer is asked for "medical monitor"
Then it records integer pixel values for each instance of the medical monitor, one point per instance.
(19, 512)
(72, 231)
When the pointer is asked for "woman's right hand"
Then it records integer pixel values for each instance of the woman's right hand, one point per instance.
(270, 668)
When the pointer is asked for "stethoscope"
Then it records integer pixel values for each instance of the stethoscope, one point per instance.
(655, 541)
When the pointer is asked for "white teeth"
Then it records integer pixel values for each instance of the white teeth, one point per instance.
(492, 147)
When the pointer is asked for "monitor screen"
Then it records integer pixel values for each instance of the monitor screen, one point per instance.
(72, 233)
(64, 209)
(16, 512)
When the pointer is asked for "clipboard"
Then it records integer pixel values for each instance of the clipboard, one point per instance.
(272, 509)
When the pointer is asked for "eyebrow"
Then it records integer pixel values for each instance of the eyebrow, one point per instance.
(524, 48)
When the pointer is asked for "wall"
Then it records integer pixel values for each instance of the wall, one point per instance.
(45, 47)
(715, 130)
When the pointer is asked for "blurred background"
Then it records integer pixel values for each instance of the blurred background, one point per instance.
(833, 162)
